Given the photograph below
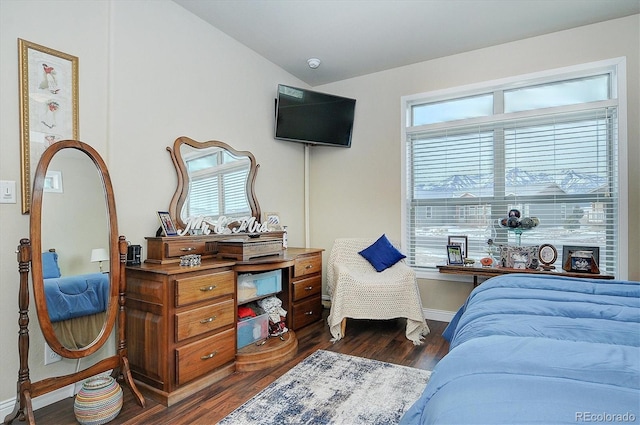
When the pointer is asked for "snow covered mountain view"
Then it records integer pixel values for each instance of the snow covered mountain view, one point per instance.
(518, 182)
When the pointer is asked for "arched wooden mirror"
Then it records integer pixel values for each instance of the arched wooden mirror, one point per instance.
(73, 213)
(78, 302)
(213, 180)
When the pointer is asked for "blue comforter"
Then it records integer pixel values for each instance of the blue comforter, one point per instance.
(539, 349)
(76, 296)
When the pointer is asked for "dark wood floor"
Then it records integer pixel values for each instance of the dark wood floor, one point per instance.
(379, 340)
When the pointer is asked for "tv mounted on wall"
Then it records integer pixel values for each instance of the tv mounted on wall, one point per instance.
(314, 118)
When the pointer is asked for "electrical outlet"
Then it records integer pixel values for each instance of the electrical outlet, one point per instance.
(50, 356)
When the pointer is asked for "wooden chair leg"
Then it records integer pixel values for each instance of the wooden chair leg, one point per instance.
(343, 326)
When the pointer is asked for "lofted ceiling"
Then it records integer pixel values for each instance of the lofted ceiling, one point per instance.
(358, 37)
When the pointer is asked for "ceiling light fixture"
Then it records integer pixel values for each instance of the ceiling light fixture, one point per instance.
(313, 63)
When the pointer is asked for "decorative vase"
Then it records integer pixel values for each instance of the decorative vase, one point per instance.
(98, 401)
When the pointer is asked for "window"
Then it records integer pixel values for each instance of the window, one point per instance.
(546, 145)
(217, 185)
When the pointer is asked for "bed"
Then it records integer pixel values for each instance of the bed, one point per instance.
(538, 349)
(76, 304)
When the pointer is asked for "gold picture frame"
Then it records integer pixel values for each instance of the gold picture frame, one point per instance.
(48, 81)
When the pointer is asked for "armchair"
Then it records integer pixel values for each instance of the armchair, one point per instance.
(358, 291)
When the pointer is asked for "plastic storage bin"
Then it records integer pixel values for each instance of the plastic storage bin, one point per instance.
(252, 330)
(259, 284)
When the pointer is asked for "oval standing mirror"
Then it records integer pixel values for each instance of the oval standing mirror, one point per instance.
(73, 227)
(213, 180)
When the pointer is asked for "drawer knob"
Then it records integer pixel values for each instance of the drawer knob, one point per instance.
(187, 249)
(308, 288)
(208, 356)
(308, 266)
(309, 313)
(208, 319)
(208, 288)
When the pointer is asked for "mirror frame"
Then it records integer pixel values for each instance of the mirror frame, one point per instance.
(182, 190)
(36, 244)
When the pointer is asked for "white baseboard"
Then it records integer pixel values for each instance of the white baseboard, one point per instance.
(6, 406)
(438, 315)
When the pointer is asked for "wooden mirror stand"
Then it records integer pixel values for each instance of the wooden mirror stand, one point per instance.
(29, 254)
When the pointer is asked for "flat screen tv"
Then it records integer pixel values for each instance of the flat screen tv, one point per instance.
(313, 118)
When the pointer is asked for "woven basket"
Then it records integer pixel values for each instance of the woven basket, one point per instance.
(99, 401)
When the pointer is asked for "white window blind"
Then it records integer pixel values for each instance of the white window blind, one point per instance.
(217, 186)
(557, 163)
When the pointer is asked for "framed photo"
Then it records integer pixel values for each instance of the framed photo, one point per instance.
(519, 257)
(460, 241)
(581, 259)
(272, 219)
(454, 255)
(48, 81)
(168, 228)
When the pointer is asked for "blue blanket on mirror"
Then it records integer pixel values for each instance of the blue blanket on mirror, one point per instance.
(76, 296)
(539, 349)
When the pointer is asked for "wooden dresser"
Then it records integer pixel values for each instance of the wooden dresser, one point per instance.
(181, 327)
(182, 321)
(303, 292)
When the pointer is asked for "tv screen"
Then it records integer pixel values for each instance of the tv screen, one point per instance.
(314, 118)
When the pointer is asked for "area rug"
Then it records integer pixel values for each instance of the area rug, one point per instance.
(334, 388)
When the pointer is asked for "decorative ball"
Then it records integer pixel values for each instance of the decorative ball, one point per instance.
(513, 222)
(527, 223)
(98, 401)
(514, 213)
(503, 222)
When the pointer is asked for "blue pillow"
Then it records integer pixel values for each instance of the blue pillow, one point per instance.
(50, 265)
(382, 254)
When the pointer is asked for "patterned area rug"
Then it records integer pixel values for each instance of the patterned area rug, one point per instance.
(333, 388)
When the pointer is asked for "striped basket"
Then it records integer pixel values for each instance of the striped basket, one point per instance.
(99, 401)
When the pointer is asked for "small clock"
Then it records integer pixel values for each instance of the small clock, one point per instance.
(547, 254)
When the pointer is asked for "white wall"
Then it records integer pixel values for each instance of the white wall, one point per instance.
(149, 72)
(357, 192)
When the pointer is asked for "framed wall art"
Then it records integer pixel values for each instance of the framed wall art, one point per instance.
(48, 81)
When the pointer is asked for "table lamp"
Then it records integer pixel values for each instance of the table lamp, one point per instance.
(99, 255)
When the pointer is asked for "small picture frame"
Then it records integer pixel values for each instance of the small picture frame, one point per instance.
(581, 259)
(272, 220)
(454, 255)
(460, 241)
(168, 228)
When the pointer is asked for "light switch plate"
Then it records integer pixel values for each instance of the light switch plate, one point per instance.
(7, 192)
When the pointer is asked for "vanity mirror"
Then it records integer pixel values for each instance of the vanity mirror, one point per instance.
(78, 306)
(213, 180)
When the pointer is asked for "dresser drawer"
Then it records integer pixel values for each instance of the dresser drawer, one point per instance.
(307, 287)
(306, 312)
(180, 248)
(307, 264)
(204, 319)
(199, 288)
(199, 358)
